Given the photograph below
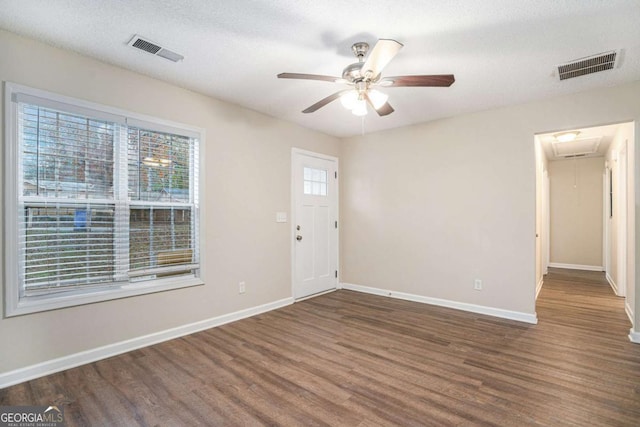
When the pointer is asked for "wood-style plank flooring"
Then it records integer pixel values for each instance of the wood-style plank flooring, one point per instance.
(353, 359)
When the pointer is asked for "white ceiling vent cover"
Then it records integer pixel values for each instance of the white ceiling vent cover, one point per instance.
(589, 65)
(153, 48)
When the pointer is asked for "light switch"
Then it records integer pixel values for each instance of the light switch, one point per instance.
(281, 217)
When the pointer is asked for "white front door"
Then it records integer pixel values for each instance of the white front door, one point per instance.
(315, 223)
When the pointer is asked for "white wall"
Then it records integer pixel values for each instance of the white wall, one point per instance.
(246, 169)
(428, 208)
(576, 211)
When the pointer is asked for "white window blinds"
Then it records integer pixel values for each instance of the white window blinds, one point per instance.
(67, 210)
(100, 204)
(161, 218)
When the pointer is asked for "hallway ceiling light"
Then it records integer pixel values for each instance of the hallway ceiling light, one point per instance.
(566, 136)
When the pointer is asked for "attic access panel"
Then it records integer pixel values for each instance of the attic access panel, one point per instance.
(577, 147)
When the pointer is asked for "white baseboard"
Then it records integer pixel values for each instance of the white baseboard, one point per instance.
(328, 291)
(490, 311)
(67, 362)
(539, 286)
(634, 336)
(612, 283)
(628, 310)
(577, 266)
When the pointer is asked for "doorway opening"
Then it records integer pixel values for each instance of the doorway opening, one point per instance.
(585, 204)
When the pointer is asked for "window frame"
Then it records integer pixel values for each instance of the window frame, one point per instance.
(18, 304)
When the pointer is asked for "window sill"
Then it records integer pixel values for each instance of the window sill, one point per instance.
(35, 304)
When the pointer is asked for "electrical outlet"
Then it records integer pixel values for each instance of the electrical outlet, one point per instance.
(241, 288)
(477, 285)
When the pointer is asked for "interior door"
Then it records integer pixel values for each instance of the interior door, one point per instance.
(315, 223)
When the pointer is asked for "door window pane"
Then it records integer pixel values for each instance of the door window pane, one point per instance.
(315, 181)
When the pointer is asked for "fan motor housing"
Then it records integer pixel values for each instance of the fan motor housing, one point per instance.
(352, 72)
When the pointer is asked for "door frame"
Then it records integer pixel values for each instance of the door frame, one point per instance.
(622, 220)
(606, 222)
(546, 222)
(301, 152)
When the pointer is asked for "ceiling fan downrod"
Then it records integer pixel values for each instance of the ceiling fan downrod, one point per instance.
(360, 50)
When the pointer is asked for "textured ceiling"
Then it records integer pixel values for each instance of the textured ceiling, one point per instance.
(502, 52)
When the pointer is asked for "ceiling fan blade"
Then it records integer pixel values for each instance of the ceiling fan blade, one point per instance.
(308, 77)
(325, 101)
(384, 110)
(381, 54)
(443, 80)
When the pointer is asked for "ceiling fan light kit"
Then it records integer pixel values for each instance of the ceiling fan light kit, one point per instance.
(357, 103)
(365, 75)
(349, 99)
(377, 98)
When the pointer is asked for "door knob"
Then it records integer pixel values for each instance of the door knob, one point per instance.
(298, 237)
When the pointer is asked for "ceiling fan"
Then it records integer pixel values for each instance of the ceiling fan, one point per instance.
(365, 75)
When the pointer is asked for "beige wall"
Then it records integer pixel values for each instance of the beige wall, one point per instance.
(426, 209)
(576, 211)
(624, 137)
(246, 169)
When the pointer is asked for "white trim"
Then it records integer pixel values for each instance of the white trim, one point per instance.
(328, 291)
(621, 231)
(539, 286)
(11, 88)
(629, 311)
(313, 154)
(50, 301)
(634, 336)
(52, 102)
(490, 311)
(612, 283)
(546, 221)
(71, 361)
(576, 266)
(11, 164)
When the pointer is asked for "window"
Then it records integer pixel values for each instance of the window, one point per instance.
(315, 181)
(101, 204)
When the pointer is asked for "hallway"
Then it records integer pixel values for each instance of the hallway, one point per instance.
(583, 333)
(582, 299)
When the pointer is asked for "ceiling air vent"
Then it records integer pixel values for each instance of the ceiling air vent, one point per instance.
(589, 65)
(153, 48)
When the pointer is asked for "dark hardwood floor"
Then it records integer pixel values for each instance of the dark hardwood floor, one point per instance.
(353, 359)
